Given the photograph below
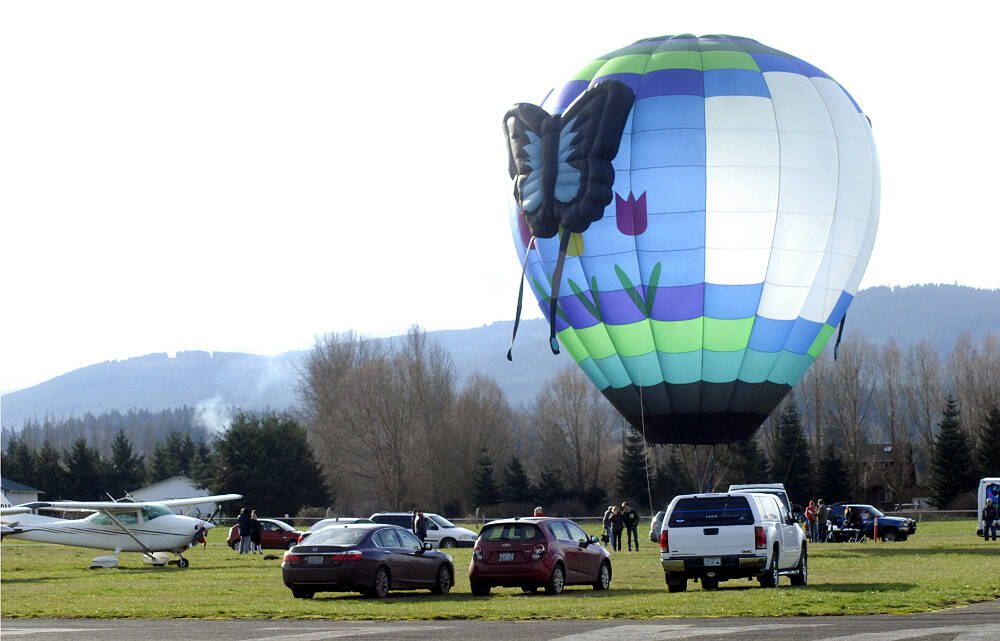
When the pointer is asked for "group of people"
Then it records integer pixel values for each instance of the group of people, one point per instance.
(818, 521)
(618, 519)
(249, 532)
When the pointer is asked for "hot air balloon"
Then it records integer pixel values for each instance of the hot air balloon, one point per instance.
(694, 216)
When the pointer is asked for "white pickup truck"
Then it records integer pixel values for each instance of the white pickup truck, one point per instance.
(717, 537)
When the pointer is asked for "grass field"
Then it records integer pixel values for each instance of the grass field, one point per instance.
(941, 566)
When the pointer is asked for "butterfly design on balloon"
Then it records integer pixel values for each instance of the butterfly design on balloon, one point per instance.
(561, 168)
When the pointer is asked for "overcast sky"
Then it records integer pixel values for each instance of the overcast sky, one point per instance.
(245, 176)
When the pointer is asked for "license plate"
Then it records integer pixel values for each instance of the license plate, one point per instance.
(314, 560)
(712, 560)
(506, 556)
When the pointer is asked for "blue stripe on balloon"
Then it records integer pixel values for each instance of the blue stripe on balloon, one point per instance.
(721, 367)
(809, 70)
(679, 369)
(671, 82)
(632, 80)
(613, 370)
(790, 368)
(644, 370)
(757, 365)
(681, 267)
(732, 301)
(668, 112)
(668, 147)
(802, 335)
(666, 232)
(735, 82)
(769, 335)
(593, 372)
(568, 94)
(771, 62)
(671, 189)
(839, 309)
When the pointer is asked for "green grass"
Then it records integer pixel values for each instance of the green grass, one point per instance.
(939, 567)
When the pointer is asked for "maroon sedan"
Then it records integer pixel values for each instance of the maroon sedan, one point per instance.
(533, 552)
(273, 534)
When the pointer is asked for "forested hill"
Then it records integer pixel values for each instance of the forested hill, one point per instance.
(935, 313)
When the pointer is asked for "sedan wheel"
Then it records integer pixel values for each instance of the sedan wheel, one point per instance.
(603, 581)
(448, 543)
(556, 582)
(380, 586)
(443, 584)
(302, 594)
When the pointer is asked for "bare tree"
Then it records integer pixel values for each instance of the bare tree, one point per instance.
(853, 381)
(924, 396)
(975, 379)
(574, 424)
(483, 421)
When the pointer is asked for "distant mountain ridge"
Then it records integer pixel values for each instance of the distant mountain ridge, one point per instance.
(935, 313)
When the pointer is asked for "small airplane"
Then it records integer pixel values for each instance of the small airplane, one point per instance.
(150, 527)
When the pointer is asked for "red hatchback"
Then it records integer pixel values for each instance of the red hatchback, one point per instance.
(273, 534)
(533, 552)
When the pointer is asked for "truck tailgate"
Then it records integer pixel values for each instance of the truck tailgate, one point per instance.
(711, 540)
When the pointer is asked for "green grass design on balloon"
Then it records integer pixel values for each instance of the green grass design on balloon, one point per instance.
(645, 306)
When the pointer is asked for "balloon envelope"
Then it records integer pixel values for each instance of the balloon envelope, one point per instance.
(746, 197)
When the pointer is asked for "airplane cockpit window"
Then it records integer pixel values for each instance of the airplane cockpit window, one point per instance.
(150, 512)
(125, 518)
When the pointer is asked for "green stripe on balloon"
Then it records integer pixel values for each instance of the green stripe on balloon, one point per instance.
(824, 335)
(728, 60)
(674, 60)
(727, 335)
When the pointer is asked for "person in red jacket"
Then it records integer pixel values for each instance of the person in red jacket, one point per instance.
(539, 511)
(811, 522)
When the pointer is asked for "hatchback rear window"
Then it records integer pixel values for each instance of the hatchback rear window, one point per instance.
(510, 532)
(701, 511)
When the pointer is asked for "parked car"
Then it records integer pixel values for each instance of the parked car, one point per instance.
(717, 537)
(890, 528)
(370, 558)
(441, 532)
(989, 488)
(338, 520)
(533, 552)
(656, 525)
(273, 534)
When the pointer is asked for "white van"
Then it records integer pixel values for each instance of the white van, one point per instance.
(717, 537)
(989, 487)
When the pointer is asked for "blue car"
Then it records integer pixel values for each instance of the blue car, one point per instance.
(890, 528)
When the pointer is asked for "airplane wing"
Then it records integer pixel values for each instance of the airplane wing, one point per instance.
(8, 511)
(127, 506)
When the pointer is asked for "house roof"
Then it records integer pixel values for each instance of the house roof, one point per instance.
(13, 486)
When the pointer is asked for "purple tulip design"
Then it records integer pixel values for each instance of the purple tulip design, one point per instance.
(631, 214)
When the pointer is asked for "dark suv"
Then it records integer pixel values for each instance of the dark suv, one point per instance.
(890, 528)
(533, 552)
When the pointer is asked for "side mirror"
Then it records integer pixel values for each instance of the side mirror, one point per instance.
(428, 546)
(593, 538)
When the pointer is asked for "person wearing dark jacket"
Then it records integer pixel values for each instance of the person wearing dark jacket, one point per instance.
(243, 521)
(990, 515)
(606, 523)
(255, 544)
(631, 519)
(617, 524)
(420, 525)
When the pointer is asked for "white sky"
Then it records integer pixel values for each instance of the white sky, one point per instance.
(244, 176)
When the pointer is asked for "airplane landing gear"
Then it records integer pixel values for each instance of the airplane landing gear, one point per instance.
(182, 562)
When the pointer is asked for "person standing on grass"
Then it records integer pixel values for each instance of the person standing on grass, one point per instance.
(243, 522)
(255, 544)
(606, 522)
(631, 518)
(420, 525)
(990, 515)
(617, 524)
(822, 519)
(811, 520)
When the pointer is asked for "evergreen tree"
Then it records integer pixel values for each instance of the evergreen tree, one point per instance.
(832, 483)
(669, 482)
(267, 459)
(952, 468)
(516, 484)
(173, 456)
(550, 487)
(127, 469)
(791, 456)
(988, 452)
(19, 462)
(85, 473)
(484, 488)
(50, 477)
(633, 483)
(747, 462)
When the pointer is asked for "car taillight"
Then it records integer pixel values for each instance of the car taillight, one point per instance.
(664, 541)
(760, 538)
(350, 555)
(477, 553)
(301, 536)
(538, 552)
(291, 558)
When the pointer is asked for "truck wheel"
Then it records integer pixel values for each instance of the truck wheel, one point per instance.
(677, 585)
(770, 577)
(890, 536)
(802, 577)
(709, 583)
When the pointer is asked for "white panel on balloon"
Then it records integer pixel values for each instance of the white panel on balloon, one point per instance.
(793, 268)
(807, 150)
(739, 229)
(802, 231)
(739, 112)
(798, 105)
(780, 302)
(846, 119)
(741, 147)
(854, 197)
(736, 266)
(741, 188)
(808, 191)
